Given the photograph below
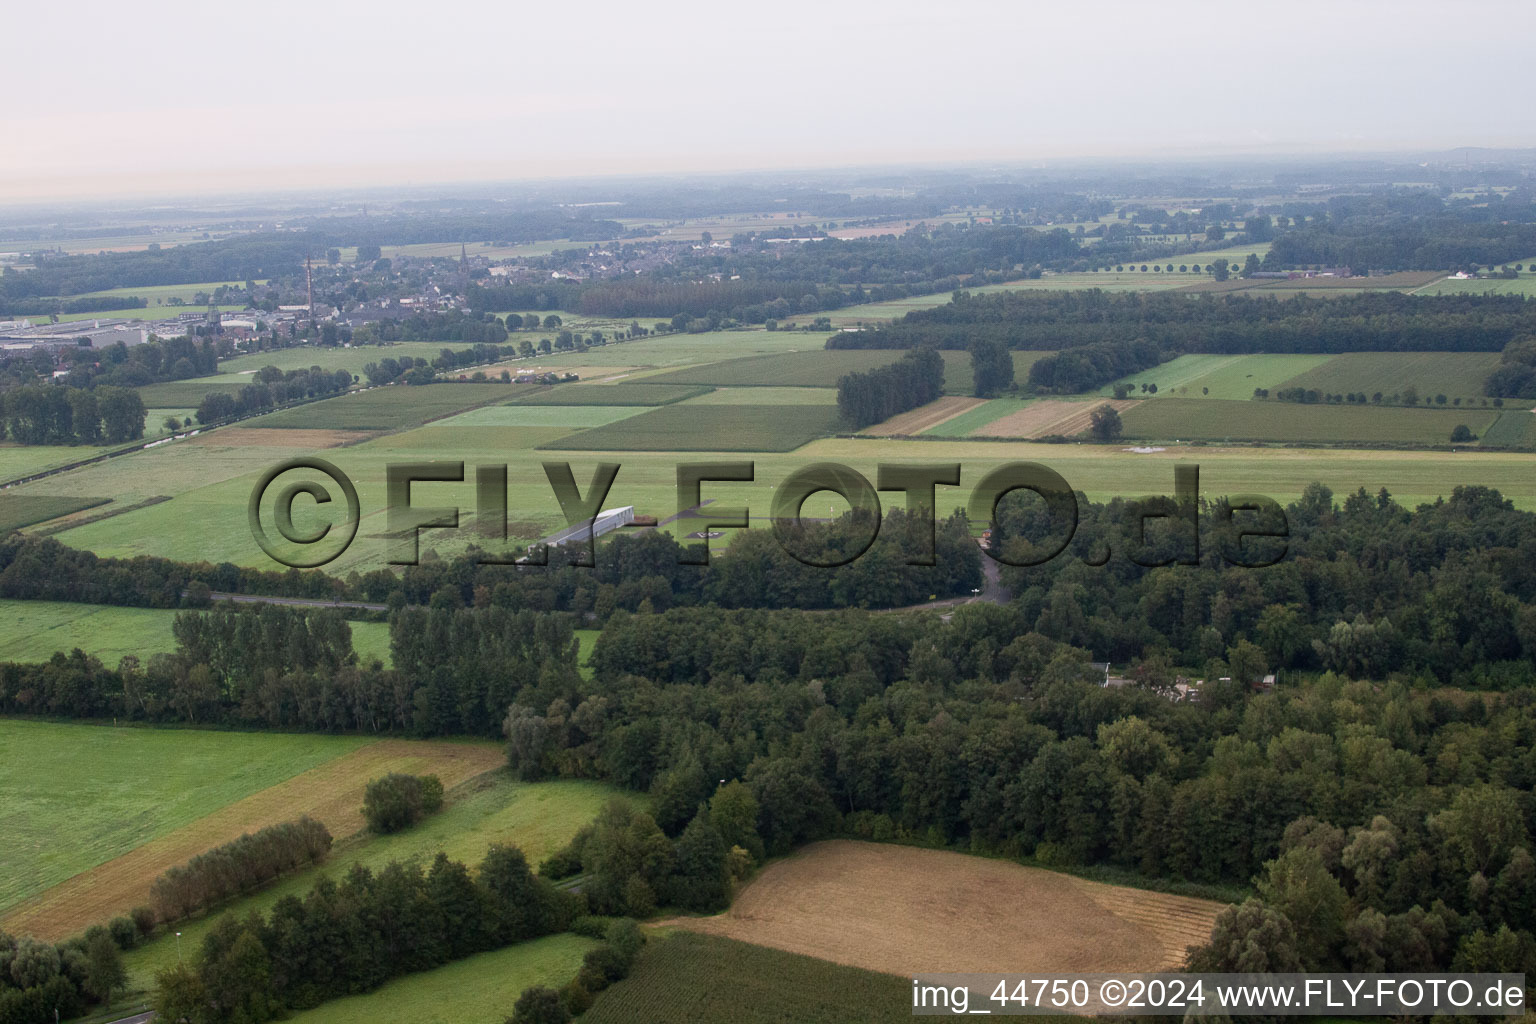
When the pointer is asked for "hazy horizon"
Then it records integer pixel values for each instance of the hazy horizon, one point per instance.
(125, 108)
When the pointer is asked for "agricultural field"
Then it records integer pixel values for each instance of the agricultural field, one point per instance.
(477, 990)
(213, 486)
(676, 350)
(34, 630)
(1022, 418)
(1514, 428)
(719, 428)
(331, 793)
(76, 796)
(1453, 374)
(765, 396)
(390, 407)
(1224, 376)
(328, 357)
(618, 393)
(925, 418)
(687, 978)
(160, 296)
(22, 510)
(185, 393)
(517, 414)
(903, 910)
(818, 368)
(19, 460)
(1185, 419)
(538, 817)
(1525, 285)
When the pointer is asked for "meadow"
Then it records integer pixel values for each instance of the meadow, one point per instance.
(538, 817)
(22, 510)
(161, 296)
(34, 630)
(519, 415)
(1223, 376)
(390, 407)
(817, 368)
(1515, 428)
(686, 978)
(1453, 374)
(75, 796)
(175, 394)
(1525, 285)
(619, 393)
(477, 990)
(1186, 419)
(19, 460)
(211, 480)
(721, 428)
(766, 396)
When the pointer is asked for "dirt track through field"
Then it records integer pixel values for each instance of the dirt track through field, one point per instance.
(915, 421)
(902, 910)
(1044, 418)
(331, 793)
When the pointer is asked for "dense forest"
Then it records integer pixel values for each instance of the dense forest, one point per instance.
(1181, 323)
(871, 396)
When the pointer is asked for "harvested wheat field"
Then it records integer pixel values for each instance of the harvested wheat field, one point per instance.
(924, 417)
(331, 793)
(1044, 418)
(902, 910)
(278, 437)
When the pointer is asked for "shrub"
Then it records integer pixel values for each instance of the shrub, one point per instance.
(399, 801)
(539, 1005)
(124, 932)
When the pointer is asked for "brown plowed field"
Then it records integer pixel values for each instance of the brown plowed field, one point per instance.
(915, 421)
(902, 910)
(1047, 417)
(331, 793)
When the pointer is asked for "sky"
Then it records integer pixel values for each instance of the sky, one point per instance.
(110, 99)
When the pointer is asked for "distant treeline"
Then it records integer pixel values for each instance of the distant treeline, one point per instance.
(351, 937)
(154, 361)
(271, 387)
(47, 414)
(1090, 366)
(1180, 323)
(1516, 374)
(1402, 243)
(871, 396)
(92, 304)
(237, 867)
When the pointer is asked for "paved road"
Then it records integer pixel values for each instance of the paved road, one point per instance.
(143, 1018)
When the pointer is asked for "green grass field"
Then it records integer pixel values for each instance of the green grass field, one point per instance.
(957, 370)
(389, 408)
(620, 393)
(720, 428)
(74, 796)
(18, 460)
(684, 978)
(160, 294)
(1182, 419)
(1231, 377)
(819, 369)
(477, 990)
(1525, 285)
(34, 630)
(969, 422)
(517, 414)
(178, 394)
(766, 396)
(22, 510)
(328, 357)
(538, 817)
(1514, 428)
(371, 640)
(1453, 374)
